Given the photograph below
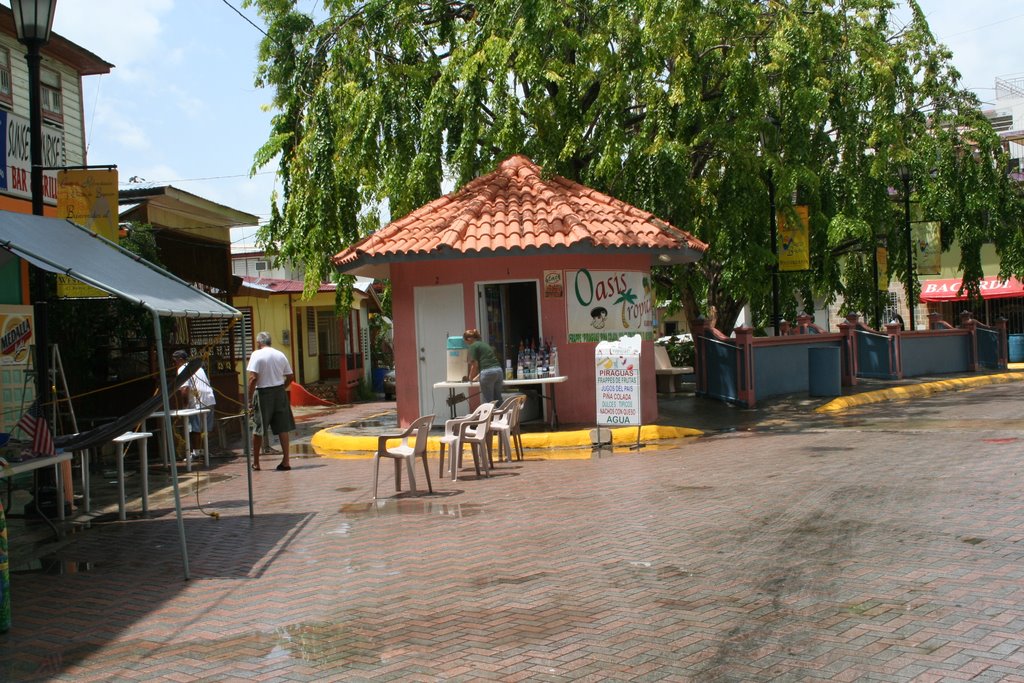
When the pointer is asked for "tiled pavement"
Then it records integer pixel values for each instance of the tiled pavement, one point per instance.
(887, 551)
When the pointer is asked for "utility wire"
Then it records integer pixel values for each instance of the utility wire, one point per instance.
(250, 21)
(978, 28)
(190, 180)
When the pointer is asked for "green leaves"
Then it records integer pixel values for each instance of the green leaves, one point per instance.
(684, 108)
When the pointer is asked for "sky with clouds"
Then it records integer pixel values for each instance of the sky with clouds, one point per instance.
(180, 106)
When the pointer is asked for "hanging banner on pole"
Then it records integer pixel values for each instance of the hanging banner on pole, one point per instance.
(928, 245)
(882, 257)
(87, 198)
(617, 366)
(794, 239)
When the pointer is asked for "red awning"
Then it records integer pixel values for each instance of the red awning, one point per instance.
(937, 291)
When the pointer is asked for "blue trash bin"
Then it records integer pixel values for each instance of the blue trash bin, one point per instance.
(1017, 348)
(378, 379)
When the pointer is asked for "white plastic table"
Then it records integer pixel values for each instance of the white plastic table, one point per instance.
(122, 443)
(186, 413)
(36, 463)
(543, 381)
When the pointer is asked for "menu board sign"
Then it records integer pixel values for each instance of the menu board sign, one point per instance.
(617, 368)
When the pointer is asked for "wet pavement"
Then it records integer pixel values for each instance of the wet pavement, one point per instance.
(885, 543)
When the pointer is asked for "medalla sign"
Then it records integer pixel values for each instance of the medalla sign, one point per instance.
(14, 147)
(607, 304)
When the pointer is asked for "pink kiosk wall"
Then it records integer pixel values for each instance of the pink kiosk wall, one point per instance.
(577, 396)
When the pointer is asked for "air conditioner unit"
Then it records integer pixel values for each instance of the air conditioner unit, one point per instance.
(260, 265)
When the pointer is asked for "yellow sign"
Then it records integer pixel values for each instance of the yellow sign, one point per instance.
(794, 240)
(928, 245)
(71, 288)
(882, 258)
(16, 334)
(88, 198)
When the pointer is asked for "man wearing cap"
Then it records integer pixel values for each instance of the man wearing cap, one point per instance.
(270, 373)
(197, 393)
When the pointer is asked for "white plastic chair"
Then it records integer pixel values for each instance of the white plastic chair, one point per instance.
(420, 428)
(450, 438)
(505, 423)
(477, 433)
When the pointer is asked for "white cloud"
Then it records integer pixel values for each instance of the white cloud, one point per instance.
(127, 33)
(189, 105)
(113, 124)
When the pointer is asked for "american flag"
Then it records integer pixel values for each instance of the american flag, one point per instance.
(34, 425)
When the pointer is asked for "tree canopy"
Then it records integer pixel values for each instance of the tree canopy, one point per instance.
(686, 108)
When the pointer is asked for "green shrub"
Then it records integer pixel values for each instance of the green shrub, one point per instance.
(680, 352)
(364, 392)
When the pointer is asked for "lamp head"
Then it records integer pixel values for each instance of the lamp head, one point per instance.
(33, 20)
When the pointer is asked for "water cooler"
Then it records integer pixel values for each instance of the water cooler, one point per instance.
(458, 359)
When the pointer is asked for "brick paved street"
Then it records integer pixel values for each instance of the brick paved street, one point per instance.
(885, 545)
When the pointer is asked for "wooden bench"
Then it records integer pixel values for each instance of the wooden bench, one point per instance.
(667, 375)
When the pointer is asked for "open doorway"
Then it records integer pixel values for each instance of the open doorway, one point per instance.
(509, 316)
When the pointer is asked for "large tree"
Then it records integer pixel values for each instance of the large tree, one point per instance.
(687, 108)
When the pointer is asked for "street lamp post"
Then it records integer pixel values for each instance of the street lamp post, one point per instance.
(905, 177)
(33, 21)
(773, 229)
(773, 226)
(874, 284)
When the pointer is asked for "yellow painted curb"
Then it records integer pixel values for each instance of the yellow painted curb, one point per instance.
(338, 445)
(917, 391)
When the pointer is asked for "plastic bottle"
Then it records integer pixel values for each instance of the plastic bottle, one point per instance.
(508, 368)
(553, 364)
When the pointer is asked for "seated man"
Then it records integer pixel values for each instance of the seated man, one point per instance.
(197, 392)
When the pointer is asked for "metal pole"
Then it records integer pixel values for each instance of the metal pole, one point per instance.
(773, 229)
(43, 384)
(246, 434)
(910, 253)
(168, 435)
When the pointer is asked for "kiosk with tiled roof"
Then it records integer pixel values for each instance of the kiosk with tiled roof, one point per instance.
(530, 261)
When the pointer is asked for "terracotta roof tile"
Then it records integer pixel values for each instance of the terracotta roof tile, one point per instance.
(514, 209)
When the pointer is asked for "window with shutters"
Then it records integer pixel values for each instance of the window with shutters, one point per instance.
(6, 92)
(50, 96)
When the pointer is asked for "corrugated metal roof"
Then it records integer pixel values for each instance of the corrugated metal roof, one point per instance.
(515, 209)
(282, 285)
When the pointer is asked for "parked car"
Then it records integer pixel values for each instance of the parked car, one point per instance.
(389, 386)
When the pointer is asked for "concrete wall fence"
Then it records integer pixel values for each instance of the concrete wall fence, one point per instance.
(805, 359)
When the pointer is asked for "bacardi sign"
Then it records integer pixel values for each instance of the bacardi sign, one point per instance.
(14, 148)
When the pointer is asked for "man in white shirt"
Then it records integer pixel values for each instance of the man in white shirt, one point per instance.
(270, 374)
(198, 393)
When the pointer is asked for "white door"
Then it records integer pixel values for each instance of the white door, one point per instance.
(440, 313)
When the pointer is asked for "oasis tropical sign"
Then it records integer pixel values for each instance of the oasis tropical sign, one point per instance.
(607, 304)
(14, 148)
